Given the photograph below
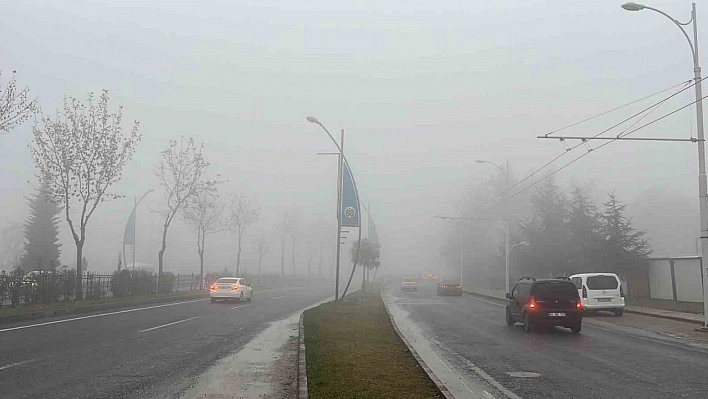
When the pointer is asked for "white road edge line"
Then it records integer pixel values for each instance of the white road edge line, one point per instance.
(278, 297)
(489, 302)
(168, 324)
(16, 364)
(100, 315)
(240, 306)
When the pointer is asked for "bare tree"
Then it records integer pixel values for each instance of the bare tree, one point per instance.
(181, 175)
(12, 245)
(282, 229)
(79, 154)
(293, 227)
(244, 213)
(204, 213)
(15, 107)
(262, 250)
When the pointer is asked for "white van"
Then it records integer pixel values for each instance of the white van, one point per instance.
(600, 291)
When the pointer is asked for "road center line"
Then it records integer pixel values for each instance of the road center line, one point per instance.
(16, 364)
(240, 306)
(168, 324)
(100, 315)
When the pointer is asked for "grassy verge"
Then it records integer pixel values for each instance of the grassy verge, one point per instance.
(91, 304)
(353, 352)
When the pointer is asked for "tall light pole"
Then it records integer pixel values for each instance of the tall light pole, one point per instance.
(702, 184)
(314, 120)
(505, 171)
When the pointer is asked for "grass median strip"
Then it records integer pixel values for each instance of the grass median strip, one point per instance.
(353, 352)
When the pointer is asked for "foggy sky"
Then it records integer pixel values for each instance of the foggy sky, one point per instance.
(422, 89)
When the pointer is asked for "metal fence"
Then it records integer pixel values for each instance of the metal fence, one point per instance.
(44, 287)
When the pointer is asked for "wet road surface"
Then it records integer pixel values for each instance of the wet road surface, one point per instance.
(154, 352)
(627, 357)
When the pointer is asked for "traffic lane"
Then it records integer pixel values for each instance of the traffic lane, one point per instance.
(150, 364)
(600, 362)
(68, 332)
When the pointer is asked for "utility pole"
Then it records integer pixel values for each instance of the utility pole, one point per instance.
(339, 211)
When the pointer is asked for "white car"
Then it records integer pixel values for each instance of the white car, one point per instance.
(227, 288)
(409, 284)
(600, 291)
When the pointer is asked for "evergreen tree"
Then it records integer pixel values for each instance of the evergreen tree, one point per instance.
(584, 224)
(41, 233)
(550, 234)
(622, 243)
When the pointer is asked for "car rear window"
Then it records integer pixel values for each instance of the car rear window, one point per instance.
(555, 290)
(408, 280)
(227, 281)
(450, 283)
(602, 283)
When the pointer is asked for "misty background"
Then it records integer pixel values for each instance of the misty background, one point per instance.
(422, 89)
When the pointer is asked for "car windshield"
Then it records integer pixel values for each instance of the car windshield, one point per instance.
(555, 290)
(602, 283)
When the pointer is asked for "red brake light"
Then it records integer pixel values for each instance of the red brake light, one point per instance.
(585, 292)
(235, 287)
(444, 286)
(578, 305)
(459, 287)
(532, 303)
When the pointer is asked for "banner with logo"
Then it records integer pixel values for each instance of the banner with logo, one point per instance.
(349, 215)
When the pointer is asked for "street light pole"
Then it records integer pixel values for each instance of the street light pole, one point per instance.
(702, 184)
(462, 256)
(505, 171)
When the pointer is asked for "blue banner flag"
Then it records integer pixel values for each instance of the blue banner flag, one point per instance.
(128, 238)
(349, 214)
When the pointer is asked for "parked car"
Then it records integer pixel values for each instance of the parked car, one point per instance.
(409, 284)
(227, 288)
(553, 302)
(449, 287)
(600, 291)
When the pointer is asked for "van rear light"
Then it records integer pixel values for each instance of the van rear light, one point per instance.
(621, 291)
(585, 292)
(532, 303)
(578, 305)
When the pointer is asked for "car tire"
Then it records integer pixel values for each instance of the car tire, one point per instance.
(509, 319)
(576, 328)
(527, 323)
(213, 300)
(619, 313)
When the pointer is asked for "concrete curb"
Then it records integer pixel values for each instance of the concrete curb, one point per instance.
(662, 316)
(301, 362)
(443, 389)
(496, 298)
(16, 318)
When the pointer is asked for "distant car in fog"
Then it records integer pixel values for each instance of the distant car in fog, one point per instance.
(409, 284)
(600, 291)
(227, 288)
(430, 277)
(449, 287)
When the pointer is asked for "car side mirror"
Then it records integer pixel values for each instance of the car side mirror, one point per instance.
(508, 296)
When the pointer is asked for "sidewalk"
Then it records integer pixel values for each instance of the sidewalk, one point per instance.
(665, 314)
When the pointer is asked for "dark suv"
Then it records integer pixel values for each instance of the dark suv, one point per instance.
(552, 302)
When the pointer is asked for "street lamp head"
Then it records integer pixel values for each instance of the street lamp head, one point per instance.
(524, 243)
(312, 119)
(480, 161)
(632, 6)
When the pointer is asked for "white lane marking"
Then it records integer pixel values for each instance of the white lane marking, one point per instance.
(487, 377)
(168, 324)
(423, 303)
(101, 315)
(303, 292)
(240, 306)
(278, 297)
(16, 364)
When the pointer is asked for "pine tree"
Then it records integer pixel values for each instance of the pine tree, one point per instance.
(584, 224)
(622, 243)
(42, 247)
(550, 241)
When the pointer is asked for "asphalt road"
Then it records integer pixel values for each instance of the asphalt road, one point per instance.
(627, 357)
(151, 352)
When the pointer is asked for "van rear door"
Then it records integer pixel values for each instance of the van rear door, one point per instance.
(603, 289)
